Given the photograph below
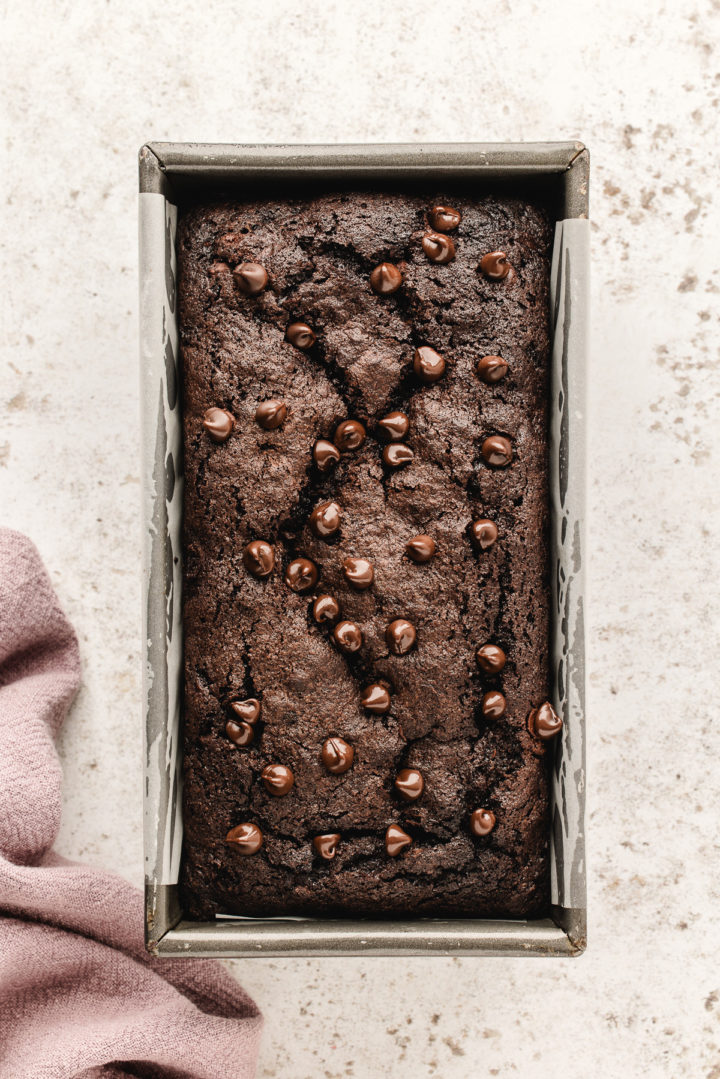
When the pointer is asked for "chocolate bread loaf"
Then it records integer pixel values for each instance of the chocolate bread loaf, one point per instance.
(366, 595)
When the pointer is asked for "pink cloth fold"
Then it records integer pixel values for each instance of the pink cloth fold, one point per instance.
(79, 996)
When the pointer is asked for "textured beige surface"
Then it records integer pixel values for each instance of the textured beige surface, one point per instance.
(86, 84)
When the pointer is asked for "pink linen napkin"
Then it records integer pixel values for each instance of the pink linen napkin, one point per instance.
(79, 996)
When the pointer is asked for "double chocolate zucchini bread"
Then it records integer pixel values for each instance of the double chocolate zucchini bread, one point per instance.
(366, 593)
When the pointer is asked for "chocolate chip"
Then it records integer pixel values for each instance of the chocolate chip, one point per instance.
(544, 722)
(385, 279)
(394, 426)
(248, 711)
(428, 364)
(376, 698)
(396, 840)
(484, 533)
(409, 784)
(495, 265)
(326, 845)
(278, 779)
(349, 435)
(420, 548)
(348, 637)
(245, 838)
(326, 609)
(492, 368)
(444, 218)
(490, 658)
(217, 269)
(493, 705)
(497, 451)
(301, 575)
(325, 519)
(241, 734)
(397, 454)
(400, 636)
(271, 414)
(259, 558)
(337, 755)
(325, 455)
(438, 248)
(482, 822)
(301, 335)
(250, 278)
(219, 424)
(359, 573)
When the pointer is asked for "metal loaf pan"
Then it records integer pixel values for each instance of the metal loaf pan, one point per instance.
(173, 172)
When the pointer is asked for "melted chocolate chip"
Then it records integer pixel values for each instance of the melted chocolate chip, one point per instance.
(259, 558)
(349, 435)
(325, 455)
(444, 218)
(278, 779)
(438, 248)
(301, 335)
(248, 711)
(544, 722)
(325, 519)
(241, 734)
(271, 414)
(216, 269)
(400, 636)
(482, 822)
(326, 609)
(490, 658)
(428, 364)
(484, 533)
(359, 573)
(492, 368)
(326, 845)
(348, 637)
(245, 838)
(376, 698)
(495, 265)
(250, 278)
(337, 755)
(397, 454)
(409, 784)
(493, 705)
(385, 279)
(420, 548)
(497, 451)
(219, 424)
(396, 840)
(394, 426)
(301, 575)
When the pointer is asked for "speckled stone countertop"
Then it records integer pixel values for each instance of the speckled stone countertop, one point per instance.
(85, 86)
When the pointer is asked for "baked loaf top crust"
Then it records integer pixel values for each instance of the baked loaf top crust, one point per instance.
(335, 760)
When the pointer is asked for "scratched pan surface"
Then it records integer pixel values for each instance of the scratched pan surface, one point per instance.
(173, 172)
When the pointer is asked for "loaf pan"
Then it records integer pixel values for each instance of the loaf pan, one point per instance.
(171, 173)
